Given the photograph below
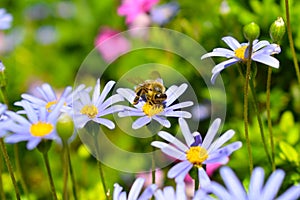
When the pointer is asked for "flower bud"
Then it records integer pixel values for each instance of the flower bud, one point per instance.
(251, 31)
(65, 126)
(277, 30)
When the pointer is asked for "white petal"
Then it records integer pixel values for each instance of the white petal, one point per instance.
(170, 138)
(221, 140)
(189, 139)
(212, 131)
(231, 42)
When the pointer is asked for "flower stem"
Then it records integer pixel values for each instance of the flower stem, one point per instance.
(9, 167)
(2, 195)
(290, 36)
(47, 164)
(71, 174)
(65, 171)
(268, 105)
(261, 128)
(107, 195)
(19, 170)
(246, 95)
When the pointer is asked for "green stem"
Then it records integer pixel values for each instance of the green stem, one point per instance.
(261, 128)
(2, 194)
(153, 167)
(19, 170)
(72, 174)
(246, 95)
(65, 171)
(268, 105)
(9, 167)
(290, 36)
(107, 195)
(47, 164)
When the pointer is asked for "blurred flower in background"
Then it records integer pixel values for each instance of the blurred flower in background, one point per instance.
(162, 14)
(159, 177)
(111, 44)
(5, 19)
(132, 8)
(257, 190)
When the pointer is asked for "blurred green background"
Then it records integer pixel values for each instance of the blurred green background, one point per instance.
(49, 40)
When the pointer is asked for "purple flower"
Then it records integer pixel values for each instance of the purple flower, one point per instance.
(39, 125)
(261, 52)
(196, 152)
(132, 8)
(257, 190)
(136, 188)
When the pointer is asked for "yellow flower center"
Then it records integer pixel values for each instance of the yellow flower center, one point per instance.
(240, 52)
(90, 110)
(50, 104)
(196, 155)
(151, 110)
(41, 129)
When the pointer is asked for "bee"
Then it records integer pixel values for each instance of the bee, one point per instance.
(152, 91)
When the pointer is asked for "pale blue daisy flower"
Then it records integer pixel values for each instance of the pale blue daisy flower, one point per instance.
(5, 121)
(162, 14)
(168, 193)
(39, 125)
(2, 67)
(5, 19)
(88, 108)
(147, 112)
(261, 52)
(46, 97)
(135, 191)
(257, 190)
(196, 152)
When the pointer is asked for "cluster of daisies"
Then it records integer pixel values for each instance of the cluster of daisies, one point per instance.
(37, 118)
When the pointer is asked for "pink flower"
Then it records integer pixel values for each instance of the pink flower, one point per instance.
(111, 44)
(159, 177)
(212, 167)
(132, 8)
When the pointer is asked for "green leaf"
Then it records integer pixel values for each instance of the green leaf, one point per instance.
(289, 152)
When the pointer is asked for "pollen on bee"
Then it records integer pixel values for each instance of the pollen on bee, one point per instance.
(151, 110)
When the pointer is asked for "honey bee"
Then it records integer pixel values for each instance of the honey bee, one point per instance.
(152, 91)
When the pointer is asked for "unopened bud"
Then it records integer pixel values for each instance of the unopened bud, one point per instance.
(65, 126)
(277, 30)
(251, 31)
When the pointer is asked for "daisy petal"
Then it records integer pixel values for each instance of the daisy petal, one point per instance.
(140, 122)
(211, 133)
(221, 140)
(233, 184)
(266, 59)
(272, 185)
(231, 42)
(189, 139)
(256, 183)
(136, 188)
(173, 152)
(219, 52)
(162, 120)
(291, 193)
(109, 124)
(170, 138)
(178, 168)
